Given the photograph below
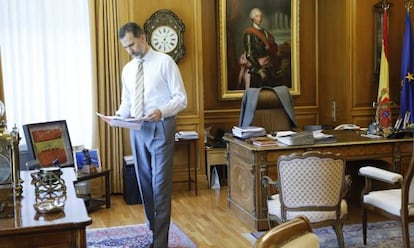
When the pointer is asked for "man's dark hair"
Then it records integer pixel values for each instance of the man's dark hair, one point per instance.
(130, 27)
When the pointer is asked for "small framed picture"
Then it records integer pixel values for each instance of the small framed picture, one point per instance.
(49, 142)
(87, 160)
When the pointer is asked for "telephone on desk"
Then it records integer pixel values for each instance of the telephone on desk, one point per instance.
(347, 127)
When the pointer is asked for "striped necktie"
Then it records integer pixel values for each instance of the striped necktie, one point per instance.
(138, 103)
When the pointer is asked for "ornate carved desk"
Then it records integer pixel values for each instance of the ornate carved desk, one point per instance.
(248, 163)
(28, 228)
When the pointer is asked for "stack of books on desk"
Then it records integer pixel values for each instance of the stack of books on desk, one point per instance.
(187, 135)
(248, 132)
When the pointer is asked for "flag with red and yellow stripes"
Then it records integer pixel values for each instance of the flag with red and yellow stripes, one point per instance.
(383, 114)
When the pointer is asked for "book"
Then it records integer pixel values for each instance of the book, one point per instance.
(118, 121)
(301, 138)
(263, 141)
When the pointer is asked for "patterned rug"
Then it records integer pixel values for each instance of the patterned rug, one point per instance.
(134, 236)
(385, 234)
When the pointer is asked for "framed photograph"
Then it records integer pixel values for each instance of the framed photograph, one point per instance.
(268, 59)
(87, 160)
(49, 142)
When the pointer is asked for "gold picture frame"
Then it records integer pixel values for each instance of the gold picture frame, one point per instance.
(233, 19)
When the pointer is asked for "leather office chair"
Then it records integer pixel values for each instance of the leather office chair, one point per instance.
(296, 233)
(271, 108)
(312, 184)
(395, 202)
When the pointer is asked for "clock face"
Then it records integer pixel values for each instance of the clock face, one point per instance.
(164, 39)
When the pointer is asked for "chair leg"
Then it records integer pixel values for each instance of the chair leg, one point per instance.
(339, 234)
(364, 224)
(405, 233)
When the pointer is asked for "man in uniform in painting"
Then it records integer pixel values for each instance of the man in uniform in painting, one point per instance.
(260, 65)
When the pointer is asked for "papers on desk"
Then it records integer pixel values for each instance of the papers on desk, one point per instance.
(301, 138)
(187, 135)
(118, 121)
(371, 136)
(248, 132)
(318, 135)
(284, 133)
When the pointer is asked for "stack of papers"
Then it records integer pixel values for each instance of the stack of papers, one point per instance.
(318, 135)
(187, 135)
(247, 132)
(118, 121)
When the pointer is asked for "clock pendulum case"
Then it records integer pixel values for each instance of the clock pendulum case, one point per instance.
(164, 31)
(10, 181)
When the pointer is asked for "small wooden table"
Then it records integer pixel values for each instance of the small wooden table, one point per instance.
(94, 202)
(27, 228)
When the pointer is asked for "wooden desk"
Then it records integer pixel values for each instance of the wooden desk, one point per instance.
(30, 229)
(247, 165)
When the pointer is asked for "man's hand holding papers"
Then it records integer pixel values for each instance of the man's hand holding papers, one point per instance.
(118, 121)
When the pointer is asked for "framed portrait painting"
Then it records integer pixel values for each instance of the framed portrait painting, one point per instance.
(49, 143)
(258, 45)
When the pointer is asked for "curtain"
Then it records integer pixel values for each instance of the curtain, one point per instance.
(46, 65)
(104, 21)
(1, 88)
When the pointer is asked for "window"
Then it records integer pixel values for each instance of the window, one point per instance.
(45, 51)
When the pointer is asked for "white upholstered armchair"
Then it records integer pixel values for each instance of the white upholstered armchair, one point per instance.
(311, 184)
(396, 202)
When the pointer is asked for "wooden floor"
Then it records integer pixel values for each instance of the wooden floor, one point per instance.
(205, 218)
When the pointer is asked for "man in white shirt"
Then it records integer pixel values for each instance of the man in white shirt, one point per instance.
(153, 144)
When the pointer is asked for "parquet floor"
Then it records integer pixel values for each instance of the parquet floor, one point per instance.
(205, 218)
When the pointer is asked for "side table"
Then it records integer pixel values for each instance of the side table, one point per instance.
(93, 201)
(191, 159)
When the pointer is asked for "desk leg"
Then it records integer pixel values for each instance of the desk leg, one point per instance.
(192, 160)
(107, 191)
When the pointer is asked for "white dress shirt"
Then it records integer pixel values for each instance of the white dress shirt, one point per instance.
(163, 85)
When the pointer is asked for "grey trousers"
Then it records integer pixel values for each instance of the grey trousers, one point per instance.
(153, 149)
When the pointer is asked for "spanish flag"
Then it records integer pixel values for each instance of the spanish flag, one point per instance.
(383, 114)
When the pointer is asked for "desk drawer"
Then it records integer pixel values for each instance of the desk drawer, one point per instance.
(216, 157)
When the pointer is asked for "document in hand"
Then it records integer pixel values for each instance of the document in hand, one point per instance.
(117, 121)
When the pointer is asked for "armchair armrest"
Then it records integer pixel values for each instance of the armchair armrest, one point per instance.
(381, 175)
(346, 186)
(269, 186)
